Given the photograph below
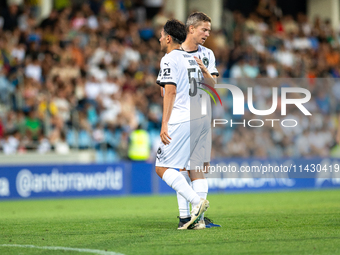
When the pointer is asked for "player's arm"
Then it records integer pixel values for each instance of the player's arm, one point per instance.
(168, 104)
(208, 78)
(159, 77)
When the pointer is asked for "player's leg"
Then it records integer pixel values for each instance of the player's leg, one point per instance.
(183, 204)
(200, 186)
(195, 165)
(207, 157)
(176, 155)
(177, 181)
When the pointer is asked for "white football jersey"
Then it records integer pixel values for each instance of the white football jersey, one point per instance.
(180, 69)
(208, 58)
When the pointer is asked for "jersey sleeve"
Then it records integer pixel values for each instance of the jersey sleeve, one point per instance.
(159, 75)
(168, 72)
(212, 64)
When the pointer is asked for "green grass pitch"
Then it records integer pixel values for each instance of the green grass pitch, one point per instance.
(306, 222)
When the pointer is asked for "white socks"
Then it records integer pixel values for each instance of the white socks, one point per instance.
(177, 181)
(200, 186)
(183, 204)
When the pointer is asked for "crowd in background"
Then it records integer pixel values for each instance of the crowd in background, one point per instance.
(84, 77)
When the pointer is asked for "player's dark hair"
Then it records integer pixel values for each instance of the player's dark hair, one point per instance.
(195, 18)
(176, 30)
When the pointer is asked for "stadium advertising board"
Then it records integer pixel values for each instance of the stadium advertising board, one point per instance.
(263, 175)
(62, 181)
(56, 181)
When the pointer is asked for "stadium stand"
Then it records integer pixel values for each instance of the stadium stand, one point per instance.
(84, 78)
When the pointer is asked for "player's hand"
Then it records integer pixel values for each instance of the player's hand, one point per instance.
(201, 65)
(164, 134)
(338, 137)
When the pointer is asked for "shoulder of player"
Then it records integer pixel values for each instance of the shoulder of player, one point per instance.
(170, 57)
(204, 49)
(164, 58)
(176, 53)
(175, 56)
(165, 61)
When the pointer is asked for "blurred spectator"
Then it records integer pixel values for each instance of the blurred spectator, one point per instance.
(6, 88)
(51, 20)
(44, 145)
(139, 147)
(85, 77)
(61, 146)
(33, 125)
(33, 70)
(10, 17)
(11, 143)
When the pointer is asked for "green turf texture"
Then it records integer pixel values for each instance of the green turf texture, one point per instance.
(305, 222)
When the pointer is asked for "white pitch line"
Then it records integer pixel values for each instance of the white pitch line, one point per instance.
(100, 252)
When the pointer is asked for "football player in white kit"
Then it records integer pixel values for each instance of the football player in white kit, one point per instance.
(175, 149)
(198, 28)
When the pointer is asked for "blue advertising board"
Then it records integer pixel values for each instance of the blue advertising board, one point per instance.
(314, 173)
(276, 174)
(63, 180)
(126, 178)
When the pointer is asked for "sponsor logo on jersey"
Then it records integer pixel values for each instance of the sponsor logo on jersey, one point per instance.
(205, 61)
(192, 62)
(166, 72)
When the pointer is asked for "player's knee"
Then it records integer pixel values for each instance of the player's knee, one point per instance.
(160, 171)
(196, 174)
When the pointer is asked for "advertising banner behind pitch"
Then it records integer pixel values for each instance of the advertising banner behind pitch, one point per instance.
(57, 181)
(63, 180)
